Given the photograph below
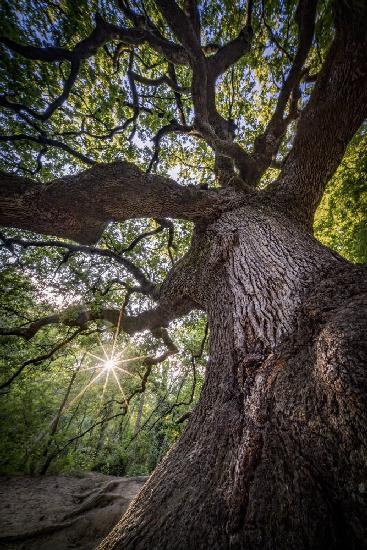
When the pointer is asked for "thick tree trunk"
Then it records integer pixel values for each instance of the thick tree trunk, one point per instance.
(274, 456)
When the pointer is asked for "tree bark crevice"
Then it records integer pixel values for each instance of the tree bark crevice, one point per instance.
(116, 191)
(274, 453)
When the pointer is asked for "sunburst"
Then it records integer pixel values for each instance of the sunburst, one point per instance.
(110, 366)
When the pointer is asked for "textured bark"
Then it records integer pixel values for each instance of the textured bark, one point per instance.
(335, 111)
(78, 207)
(274, 455)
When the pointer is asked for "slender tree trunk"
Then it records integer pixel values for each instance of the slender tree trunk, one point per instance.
(137, 426)
(102, 431)
(47, 456)
(139, 414)
(274, 455)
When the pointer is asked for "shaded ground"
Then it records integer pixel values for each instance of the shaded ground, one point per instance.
(62, 512)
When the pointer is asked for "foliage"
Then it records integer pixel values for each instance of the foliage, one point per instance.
(98, 123)
(340, 221)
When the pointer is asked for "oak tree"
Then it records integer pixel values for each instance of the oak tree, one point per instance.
(250, 108)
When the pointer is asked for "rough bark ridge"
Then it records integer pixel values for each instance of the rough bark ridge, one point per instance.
(275, 454)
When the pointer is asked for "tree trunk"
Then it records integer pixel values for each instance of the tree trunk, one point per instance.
(48, 457)
(274, 455)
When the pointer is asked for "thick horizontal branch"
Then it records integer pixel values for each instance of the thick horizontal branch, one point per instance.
(155, 319)
(79, 206)
(36, 53)
(148, 320)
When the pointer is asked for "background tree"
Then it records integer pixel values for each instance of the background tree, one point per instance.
(257, 103)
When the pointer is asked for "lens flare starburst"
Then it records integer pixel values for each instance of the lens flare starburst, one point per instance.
(110, 366)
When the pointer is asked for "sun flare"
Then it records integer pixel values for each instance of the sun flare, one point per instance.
(109, 364)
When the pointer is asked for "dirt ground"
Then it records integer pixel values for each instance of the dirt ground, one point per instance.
(62, 512)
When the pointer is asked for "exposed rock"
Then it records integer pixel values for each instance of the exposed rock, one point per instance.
(62, 512)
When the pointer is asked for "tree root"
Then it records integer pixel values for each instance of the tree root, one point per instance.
(47, 529)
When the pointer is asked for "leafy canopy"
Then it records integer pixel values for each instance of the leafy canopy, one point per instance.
(125, 103)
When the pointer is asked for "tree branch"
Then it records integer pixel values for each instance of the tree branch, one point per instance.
(103, 33)
(83, 49)
(40, 358)
(79, 206)
(209, 124)
(146, 286)
(267, 144)
(180, 108)
(231, 52)
(164, 79)
(43, 140)
(181, 26)
(171, 295)
(172, 127)
(151, 319)
(193, 15)
(335, 111)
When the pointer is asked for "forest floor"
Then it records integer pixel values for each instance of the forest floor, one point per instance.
(62, 512)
